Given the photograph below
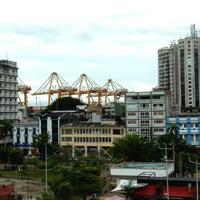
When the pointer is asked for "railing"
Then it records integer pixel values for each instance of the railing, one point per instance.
(147, 174)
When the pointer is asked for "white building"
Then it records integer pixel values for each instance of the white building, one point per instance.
(8, 90)
(145, 113)
(24, 133)
(179, 67)
(127, 173)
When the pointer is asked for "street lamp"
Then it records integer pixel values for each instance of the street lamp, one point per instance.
(197, 178)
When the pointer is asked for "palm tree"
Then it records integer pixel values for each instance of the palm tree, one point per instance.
(5, 129)
(173, 132)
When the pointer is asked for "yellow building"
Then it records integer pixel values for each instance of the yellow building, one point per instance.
(90, 138)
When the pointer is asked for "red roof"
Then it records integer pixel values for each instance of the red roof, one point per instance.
(6, 190)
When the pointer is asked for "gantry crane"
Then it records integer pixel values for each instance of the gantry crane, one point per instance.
(23, 89)
(55, 84)
(114, 90)
(86, 86)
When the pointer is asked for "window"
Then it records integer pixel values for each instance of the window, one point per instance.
(144, 131)
(158, 121)
(18, 131)
(144, 97)
(144, 114)
(131, 121)
(144, 122)
(68, 139)
(158, 129)
(131, 113)
(26, 139)
(68, 131)
(18, 139)
(34, 131)
(158, 113)
(144, 105)
(116, 131)
(26, 131)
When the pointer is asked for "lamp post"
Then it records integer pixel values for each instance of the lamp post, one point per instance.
(197, 177)
(46, 167)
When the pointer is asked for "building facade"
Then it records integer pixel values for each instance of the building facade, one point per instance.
(188, 128)
(90, 138)
(24, 133)
(145, 113)
(8, 90)
(178, 68)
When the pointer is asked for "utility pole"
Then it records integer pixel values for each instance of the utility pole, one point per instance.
(197, 176)
(166, 167)
(46, 167)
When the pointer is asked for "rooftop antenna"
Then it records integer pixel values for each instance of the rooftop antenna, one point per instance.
(193, 31)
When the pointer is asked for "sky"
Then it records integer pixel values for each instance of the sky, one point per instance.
(105, 39)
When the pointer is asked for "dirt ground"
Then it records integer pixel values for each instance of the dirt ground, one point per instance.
(24, 187)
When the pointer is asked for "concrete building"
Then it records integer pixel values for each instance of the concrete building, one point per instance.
(167, 73)
(131, 170)
(90, 138)
(24, 133)
(188, 128)
(50, 123)
(178, 68)
(8, 90)
(145, 113)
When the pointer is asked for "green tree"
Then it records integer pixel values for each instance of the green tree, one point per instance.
(60, 184)
(4, 155)
(180, 150)
(47, 196)
(136, 148)
(65, 103)
(16, 157)
(171, 138)
(86, 180)
(78, 179)
(5, 129)
(40, 141)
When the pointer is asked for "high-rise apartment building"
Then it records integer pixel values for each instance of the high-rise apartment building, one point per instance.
(8, 90)
(179, 72)
(146, 113)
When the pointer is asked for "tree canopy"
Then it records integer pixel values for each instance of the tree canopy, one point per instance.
(5, 129)
(65, 103)
(136, 148)
(40, 141)
(78, 179)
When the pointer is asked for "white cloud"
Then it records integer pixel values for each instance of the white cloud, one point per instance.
(104, 39)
